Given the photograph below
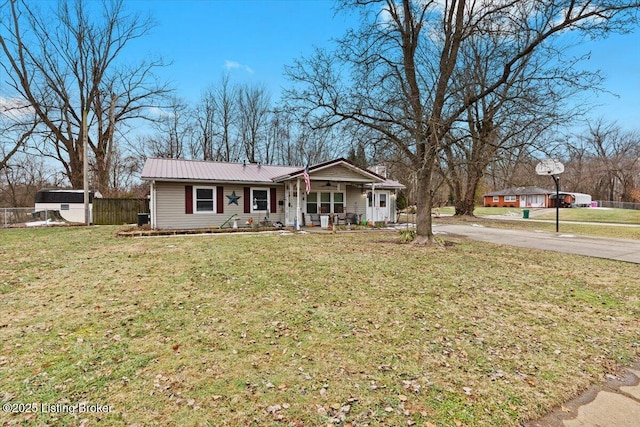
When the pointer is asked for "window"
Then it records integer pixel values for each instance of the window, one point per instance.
(382, 200)
(338, 202)
(205, 199)
(325, 202)
(260, 200)
(496, 198)
(312, 203)
(509, 198)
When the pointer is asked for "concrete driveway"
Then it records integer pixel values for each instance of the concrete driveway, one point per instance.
(599, 247)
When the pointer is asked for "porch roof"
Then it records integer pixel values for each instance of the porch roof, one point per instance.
(315, 173)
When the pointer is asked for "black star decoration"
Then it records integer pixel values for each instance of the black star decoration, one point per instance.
(233, 199)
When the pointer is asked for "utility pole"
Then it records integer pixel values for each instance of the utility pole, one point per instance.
(85, 168)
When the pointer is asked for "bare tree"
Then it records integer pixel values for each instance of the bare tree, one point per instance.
(22, 178)
(403, 60)
(124, 171)
(64, 63)
(18, 125)
(205, 132)
(254, 104)
(173, 132)
(609, 159)
(520, 112)
(216, 119)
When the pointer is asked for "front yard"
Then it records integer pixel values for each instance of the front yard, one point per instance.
(346, 329)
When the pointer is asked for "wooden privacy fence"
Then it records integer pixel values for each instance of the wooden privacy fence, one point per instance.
(118, 211)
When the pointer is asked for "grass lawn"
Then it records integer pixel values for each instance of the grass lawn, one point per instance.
(618, 216)
(348, 329)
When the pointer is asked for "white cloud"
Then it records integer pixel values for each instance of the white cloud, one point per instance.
(235, 65)
(159, 112)
(15, 108)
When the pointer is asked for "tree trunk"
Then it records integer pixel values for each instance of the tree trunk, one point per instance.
(102, 173)
(424, 202)
(466, 201)
(75, 170)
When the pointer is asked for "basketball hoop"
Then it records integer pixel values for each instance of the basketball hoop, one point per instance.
(549, 167)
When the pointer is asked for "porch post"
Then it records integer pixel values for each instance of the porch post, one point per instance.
(373, 203)
(298, 211)
(287, 190)
(152, 204)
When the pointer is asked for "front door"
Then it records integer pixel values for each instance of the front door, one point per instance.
(382, 206)
(380, 209)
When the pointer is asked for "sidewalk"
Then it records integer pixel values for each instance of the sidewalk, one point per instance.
(615, 404)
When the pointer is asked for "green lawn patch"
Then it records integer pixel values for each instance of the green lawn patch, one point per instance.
(317, 329)
(610, 215)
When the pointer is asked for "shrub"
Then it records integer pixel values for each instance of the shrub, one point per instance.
(407, 235)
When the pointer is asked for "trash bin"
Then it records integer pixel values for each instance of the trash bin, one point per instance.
(143, 218)
(324, 221)
(525, 213)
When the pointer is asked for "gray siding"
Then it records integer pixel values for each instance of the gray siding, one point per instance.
(170, 206)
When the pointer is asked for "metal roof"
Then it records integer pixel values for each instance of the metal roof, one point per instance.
(197, 170)
(517, 191)
(208, 171)
(389, 184)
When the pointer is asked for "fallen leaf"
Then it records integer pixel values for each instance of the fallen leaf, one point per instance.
(273, 409)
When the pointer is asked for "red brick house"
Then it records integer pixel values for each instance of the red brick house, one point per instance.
(518, 197)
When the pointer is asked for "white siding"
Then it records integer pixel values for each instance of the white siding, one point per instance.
(356, 202)
(338, 173)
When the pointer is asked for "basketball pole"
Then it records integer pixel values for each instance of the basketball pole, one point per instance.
(556, 178)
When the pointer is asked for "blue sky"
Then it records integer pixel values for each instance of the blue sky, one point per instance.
(254, 39)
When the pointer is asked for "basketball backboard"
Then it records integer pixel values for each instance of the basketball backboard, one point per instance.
(549, 167)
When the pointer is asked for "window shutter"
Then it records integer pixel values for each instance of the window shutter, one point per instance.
(247, 200)
(188, 199)
(272, 200)
(219, 199)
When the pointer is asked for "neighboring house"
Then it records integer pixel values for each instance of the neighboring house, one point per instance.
(201, 194)
(534, 197)
(518, 197)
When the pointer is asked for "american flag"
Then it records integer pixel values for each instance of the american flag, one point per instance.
(307, 180)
